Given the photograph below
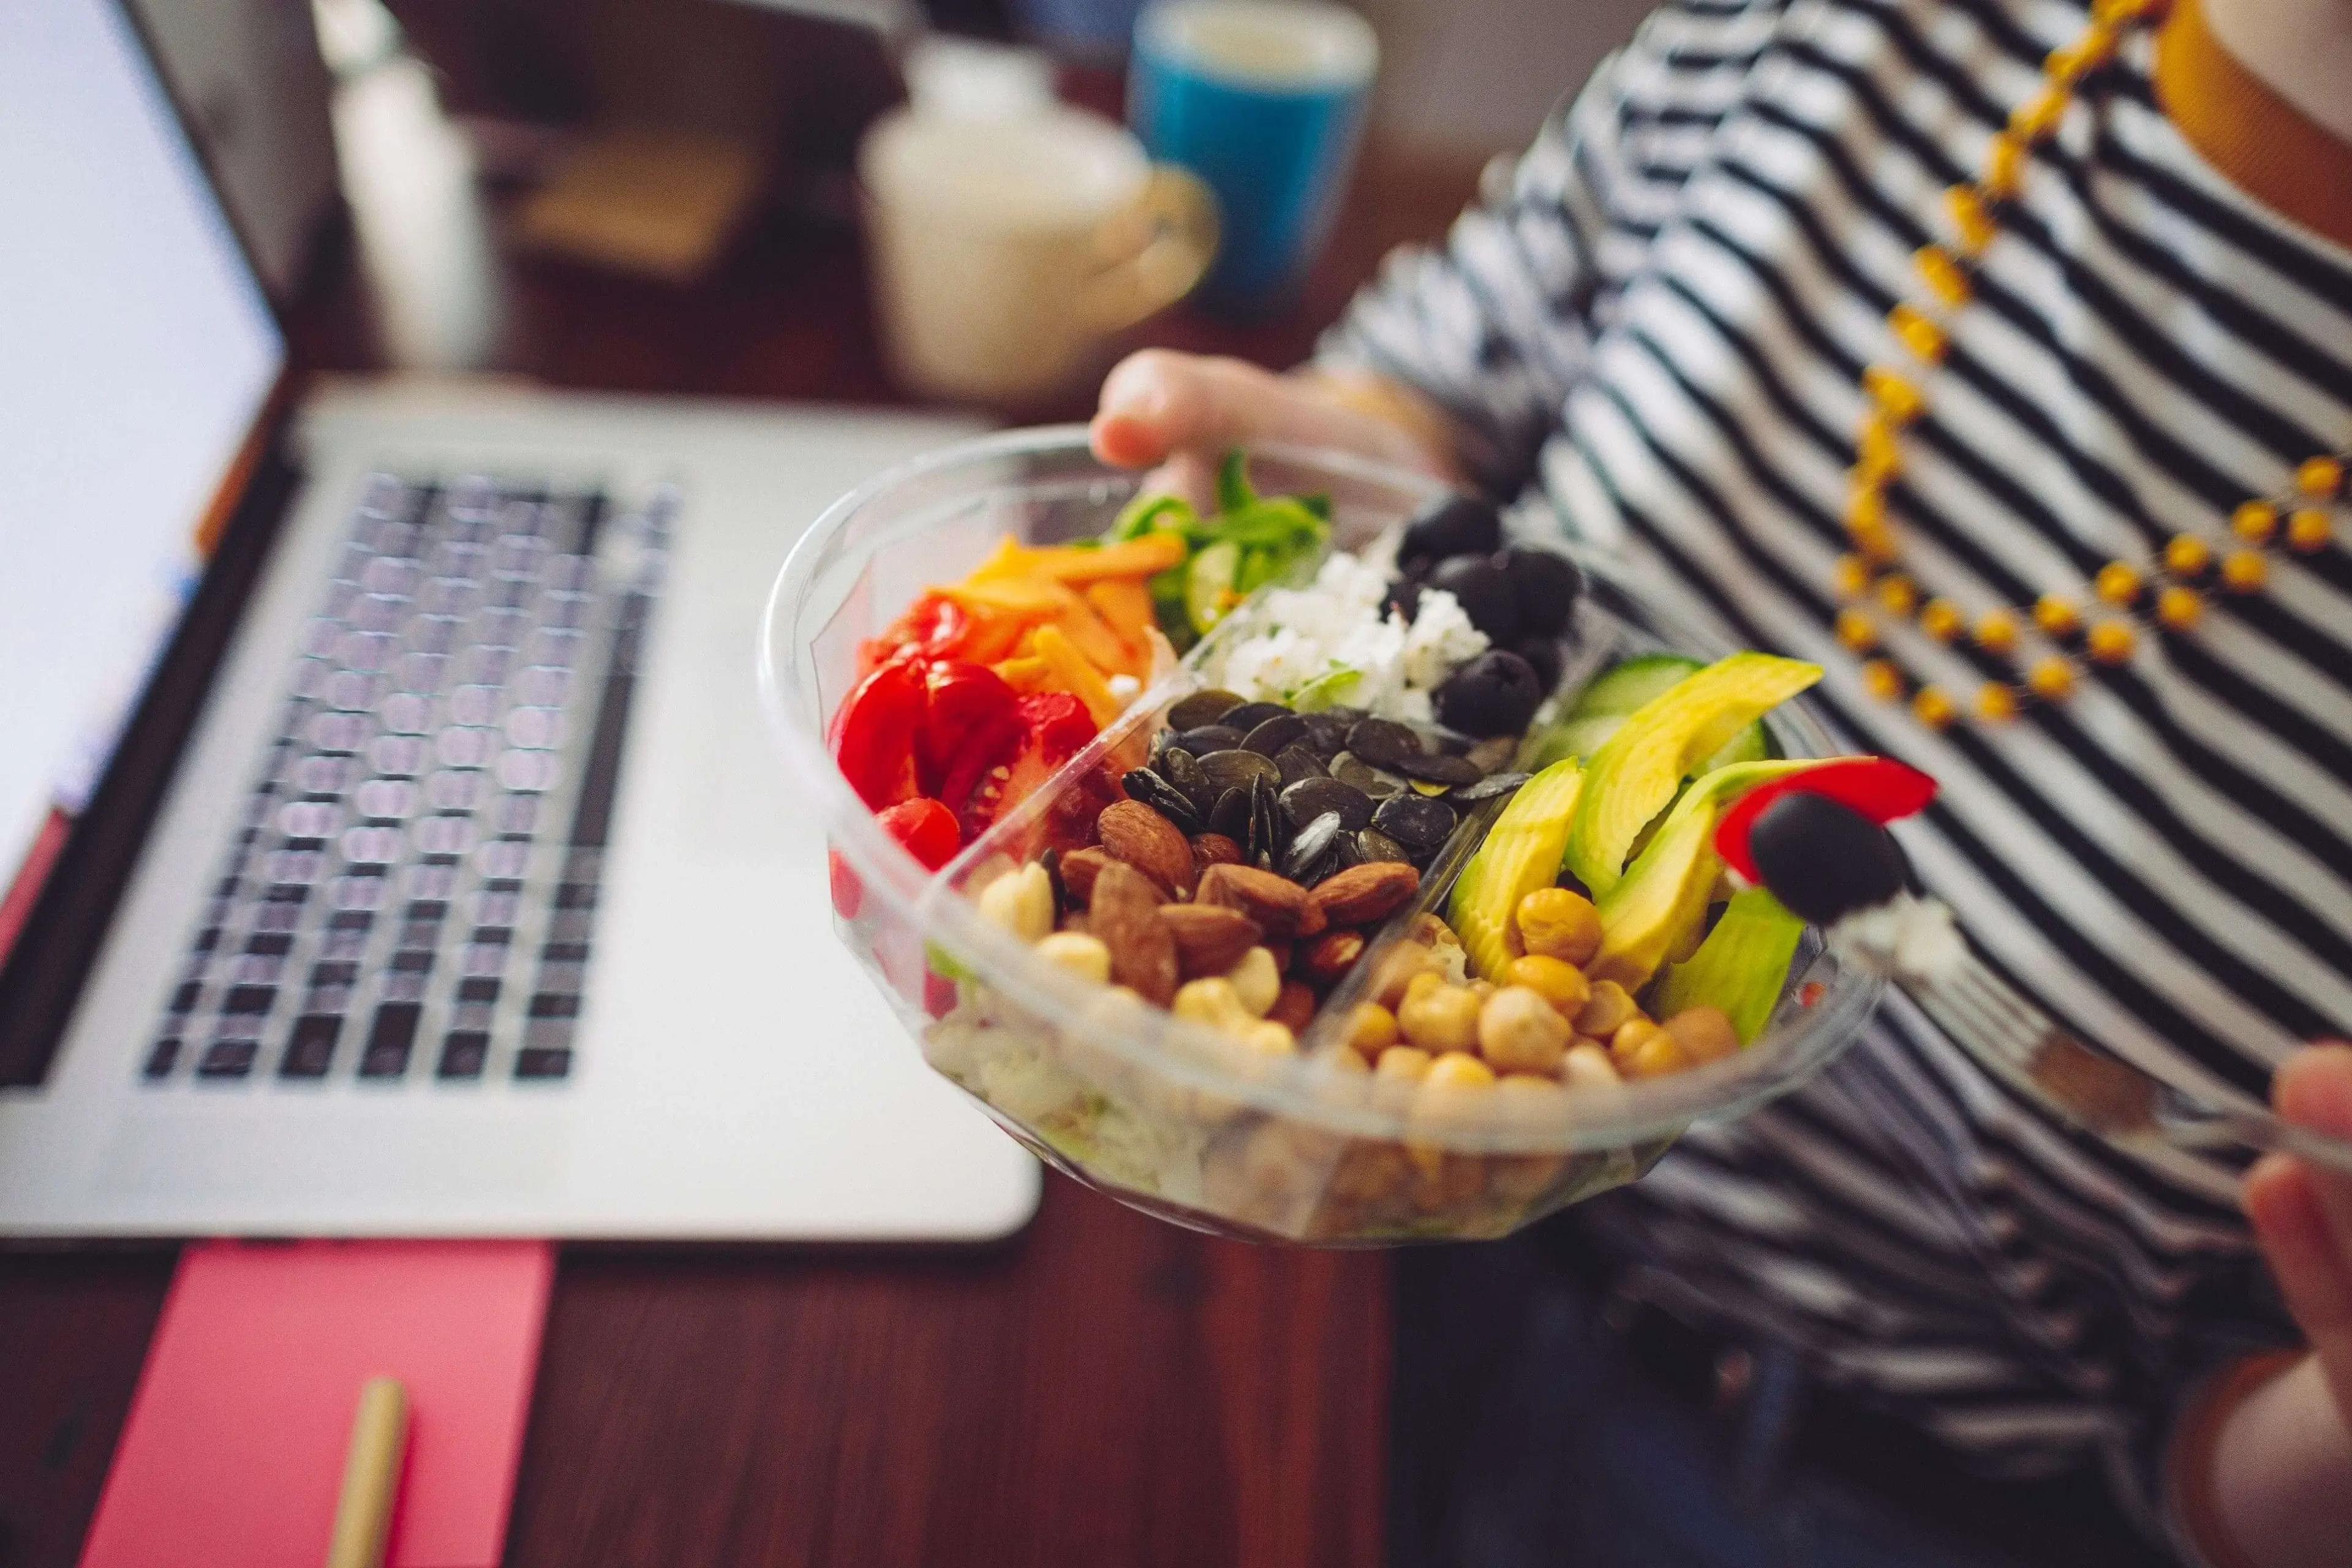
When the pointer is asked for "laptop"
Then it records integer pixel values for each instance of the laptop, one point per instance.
(390, 840)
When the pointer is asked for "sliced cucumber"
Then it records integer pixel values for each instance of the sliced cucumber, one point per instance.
(1209, 583)
(1328, 690)
(1629, 683)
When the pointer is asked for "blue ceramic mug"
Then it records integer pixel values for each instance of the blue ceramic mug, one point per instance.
(1264, 101)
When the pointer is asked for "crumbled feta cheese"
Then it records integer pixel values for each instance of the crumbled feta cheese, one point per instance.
(1910, 938)
(1441, 638)
(1340, 623)
(1123, 687)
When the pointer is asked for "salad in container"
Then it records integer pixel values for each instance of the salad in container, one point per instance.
(1311, 864)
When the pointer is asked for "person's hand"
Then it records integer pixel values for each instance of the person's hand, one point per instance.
(2302, 1214)
(1181, 412)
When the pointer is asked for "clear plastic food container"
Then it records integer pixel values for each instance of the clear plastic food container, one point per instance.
(1170, 1117)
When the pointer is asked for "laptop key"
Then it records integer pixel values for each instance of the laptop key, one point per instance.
(463, 1054)
(162, 1058)
(228, 1058)
(390, 1038)
(311, 1049)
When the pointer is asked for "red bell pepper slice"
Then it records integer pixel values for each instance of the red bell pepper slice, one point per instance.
(925, 829)
(1879, 787)
(1055, 727)
(967, 708)
(874, 735)
(933, 626)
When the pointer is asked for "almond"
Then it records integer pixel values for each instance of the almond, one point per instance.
(1134, 833)
(1210, 938)
(1331, 955)
(1079, 868)
(1277, 904)
(1125, 918)
(1283, 953)
(1214, 849)
(1363, 894)
(1294, 1007)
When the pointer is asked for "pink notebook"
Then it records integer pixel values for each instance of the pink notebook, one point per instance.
(234, 1449)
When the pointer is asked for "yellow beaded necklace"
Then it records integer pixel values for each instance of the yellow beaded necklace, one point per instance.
(1868, 582)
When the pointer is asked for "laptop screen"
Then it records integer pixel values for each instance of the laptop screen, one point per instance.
(136, 354)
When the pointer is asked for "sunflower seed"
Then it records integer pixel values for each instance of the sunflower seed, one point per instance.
(1182, 769)
(1248, 716)
(1382, 742)
(1202, 708)
(1209, 737)
(1312, 842)
(1377, 783)
(1419, 824)
(1231, 816)
(1487, 788)
(1297, 763)
(1143, 785)
(1271, 736)
(1439, 769)
(1372, 844)
(1234, 769)
(1310, 798)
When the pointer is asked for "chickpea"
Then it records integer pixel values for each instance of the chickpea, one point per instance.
(1084, 956)
(1458, 1070)
(1213, 1002)
(1438, 1017)
(1557, 922)
(1482, 989)
(1256, 981)
(1268, 1039)
(1372, 1029)
(1520, 1031)
(1587, 1067)
(1422, 984)
(1606, 1011)
(1704, 1034)
(1395, 969)
(1021, 902)
(1342, 1061)
(1642, 1049)
(1407, 1064)
(1557, 981)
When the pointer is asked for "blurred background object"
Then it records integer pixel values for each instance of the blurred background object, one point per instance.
(1264, 101)
(1012, 242)
(249, 80)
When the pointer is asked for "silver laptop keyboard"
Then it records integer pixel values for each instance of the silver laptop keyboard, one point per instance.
(409, 895)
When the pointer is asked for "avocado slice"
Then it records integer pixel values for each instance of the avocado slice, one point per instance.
(1649, 910)
(1520, 853)
(1636, 770)
(1741, 967)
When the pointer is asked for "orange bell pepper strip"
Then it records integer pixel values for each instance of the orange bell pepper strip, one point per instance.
(1093, 636)
(1075, 675)
(1024, 674)
(1143, 557)
(1126, 604)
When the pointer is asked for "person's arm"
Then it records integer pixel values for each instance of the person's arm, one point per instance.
(2266, 1473)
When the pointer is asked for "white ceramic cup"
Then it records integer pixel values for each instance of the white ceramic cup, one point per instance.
(1006, 253)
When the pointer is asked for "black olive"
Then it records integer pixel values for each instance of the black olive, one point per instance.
(1548, 585)
(1456, 525)
(1823, 858)
(1493, 694)
(1485, 593)
(1548, 658)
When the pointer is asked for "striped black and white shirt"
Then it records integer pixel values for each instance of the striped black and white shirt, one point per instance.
(1654, 330)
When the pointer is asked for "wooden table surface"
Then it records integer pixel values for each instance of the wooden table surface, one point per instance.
(1104, 1389)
